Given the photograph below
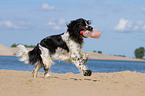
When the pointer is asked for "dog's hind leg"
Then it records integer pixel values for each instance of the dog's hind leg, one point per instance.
(46, 59)
(37, 68)
(47, 65)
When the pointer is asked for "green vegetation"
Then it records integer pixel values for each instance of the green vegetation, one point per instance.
(30, 46)
(94, 51)
(100, 52)
(97, 52)
(139, 52)
(120, 55)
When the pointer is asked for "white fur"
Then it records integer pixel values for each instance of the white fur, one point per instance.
(45, 56)
(60, 54)
(22, 52)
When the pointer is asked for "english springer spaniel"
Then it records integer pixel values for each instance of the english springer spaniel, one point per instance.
(66, 46)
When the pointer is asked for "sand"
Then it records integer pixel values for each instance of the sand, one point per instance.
(21, 83)
(6, 51)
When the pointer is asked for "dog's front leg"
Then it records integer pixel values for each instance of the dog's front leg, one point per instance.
(79, 62)
(84, 56)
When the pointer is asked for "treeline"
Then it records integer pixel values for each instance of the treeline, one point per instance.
(139, 52)
(97, 51)
(113, 55)
(15, 45)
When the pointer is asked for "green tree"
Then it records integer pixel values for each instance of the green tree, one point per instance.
(14, 45)
(100, 52)
(97, 51)
(139, 53)
(29, 46)
(94, 51)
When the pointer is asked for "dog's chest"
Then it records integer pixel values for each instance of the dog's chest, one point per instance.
(60, 54)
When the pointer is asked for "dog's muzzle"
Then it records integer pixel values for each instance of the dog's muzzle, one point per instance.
(89, 28)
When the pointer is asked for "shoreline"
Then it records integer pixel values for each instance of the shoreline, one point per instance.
(7, 51)
(140, 60)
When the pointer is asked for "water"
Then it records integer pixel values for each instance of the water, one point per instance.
(101, 66)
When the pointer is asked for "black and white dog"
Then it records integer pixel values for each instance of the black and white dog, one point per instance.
(66, 46)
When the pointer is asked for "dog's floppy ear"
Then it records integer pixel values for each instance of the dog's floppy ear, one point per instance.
(73, 29)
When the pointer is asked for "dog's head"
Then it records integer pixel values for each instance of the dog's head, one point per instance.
(76, 26)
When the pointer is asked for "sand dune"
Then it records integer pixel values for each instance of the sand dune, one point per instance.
(6, 51)
(20, 83)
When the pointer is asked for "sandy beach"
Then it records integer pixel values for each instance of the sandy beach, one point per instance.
(21, 83)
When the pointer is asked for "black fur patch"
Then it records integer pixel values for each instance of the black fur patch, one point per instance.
(53, 42)
(34, 55)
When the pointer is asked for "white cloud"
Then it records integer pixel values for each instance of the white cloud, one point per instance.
(123, 25)
(51, 23)
(128, 25)
(56, 25)
(47, 7)
(54, 22)
(136, 28)
(10, 25)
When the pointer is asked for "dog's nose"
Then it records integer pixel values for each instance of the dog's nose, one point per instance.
(90, 28)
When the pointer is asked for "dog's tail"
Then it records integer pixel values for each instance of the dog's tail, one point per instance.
(29, 57)
(22, 52)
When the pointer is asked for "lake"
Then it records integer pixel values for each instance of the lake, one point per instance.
(97, 66)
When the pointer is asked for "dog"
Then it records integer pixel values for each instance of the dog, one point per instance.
(66, 46)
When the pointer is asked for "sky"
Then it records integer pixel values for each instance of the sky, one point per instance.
(121, 22)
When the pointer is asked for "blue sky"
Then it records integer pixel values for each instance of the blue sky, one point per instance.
(121, 22)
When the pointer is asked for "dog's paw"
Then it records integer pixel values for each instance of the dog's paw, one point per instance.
(47, 76)
(87, 72)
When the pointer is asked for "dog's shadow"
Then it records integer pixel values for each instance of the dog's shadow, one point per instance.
(76, 79)
(71, 78)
